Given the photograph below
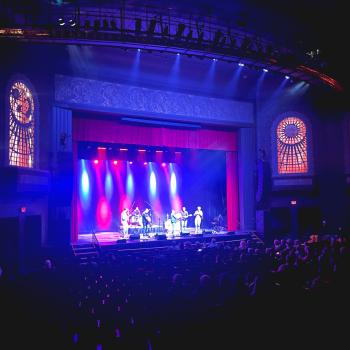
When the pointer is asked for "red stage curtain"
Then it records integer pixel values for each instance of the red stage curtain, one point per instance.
(113, 132)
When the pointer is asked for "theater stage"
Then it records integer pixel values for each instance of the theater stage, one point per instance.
(110, 240)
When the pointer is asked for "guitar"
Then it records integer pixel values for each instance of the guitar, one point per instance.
(185, 217)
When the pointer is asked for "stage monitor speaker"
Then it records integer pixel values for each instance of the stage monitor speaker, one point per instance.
(161, 237)
(134, 231)
(122, 240)
(134, 236)
(199, 234)
(184, 234)
(207, 232)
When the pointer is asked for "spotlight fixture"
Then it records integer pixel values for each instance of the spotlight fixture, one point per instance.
(113, 24)
(138, 25)
(96, 161)
(200, 32)
(180, 29)
(87, 24)
(200, 37)
(72, 23)
(115, 162)
(233, 41)
(217, 37)
(222, 42)
(246, 43)
(152, 26)
(189, 35)
(241, 64)
(287, 77)
(97, 24)
(165, 30)
(163, 165)
(61, 21)
(130, 162)
(265, 70)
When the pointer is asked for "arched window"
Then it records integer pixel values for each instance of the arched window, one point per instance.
(21, 125)
(292, 146)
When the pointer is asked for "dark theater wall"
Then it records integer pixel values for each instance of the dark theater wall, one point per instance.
(324, 201)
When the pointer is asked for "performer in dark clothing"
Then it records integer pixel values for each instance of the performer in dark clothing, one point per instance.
(146, 220)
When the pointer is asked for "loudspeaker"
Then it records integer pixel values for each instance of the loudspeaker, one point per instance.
(207, 232)
(134, 236)
(161, 237)
(122, 240)
(134, 231)
(183, 234)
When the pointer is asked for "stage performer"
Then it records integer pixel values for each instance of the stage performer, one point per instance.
(184, 218)
(173, 220)
(136, 216)
(198, 217)
(125, 220)
(146, 220)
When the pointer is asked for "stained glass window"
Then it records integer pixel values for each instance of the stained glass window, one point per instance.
(21, 126)
(292, 157)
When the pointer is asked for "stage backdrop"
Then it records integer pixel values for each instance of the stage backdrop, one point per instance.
(107, 186)
(109, 131)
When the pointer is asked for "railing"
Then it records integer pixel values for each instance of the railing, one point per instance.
(152, 25)
(164, 29)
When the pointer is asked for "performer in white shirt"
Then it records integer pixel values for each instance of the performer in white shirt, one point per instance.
(198, 217)
(124, 218)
